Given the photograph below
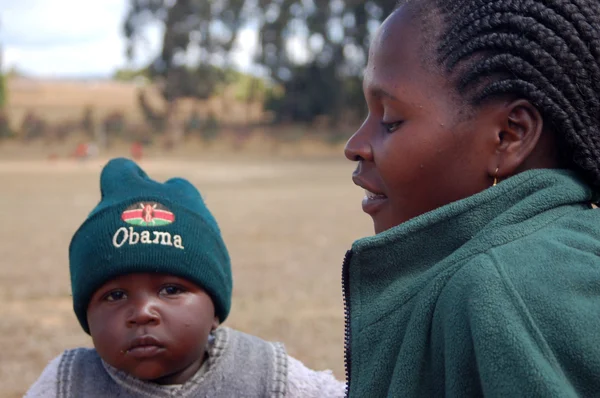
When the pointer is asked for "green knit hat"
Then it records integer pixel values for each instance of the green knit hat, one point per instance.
(141, 225)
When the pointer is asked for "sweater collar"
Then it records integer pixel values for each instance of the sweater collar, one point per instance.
(215, 346)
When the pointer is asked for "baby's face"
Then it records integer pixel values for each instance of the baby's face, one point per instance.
(152, 326)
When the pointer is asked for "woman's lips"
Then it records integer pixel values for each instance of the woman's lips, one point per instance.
(372, 202)
(373, 196)
(374, 199)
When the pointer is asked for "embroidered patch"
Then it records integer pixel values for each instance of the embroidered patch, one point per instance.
(148, 214)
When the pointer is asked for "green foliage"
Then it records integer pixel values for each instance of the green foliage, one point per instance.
(338, 36)
(210, 129)
(3, 91)
(207, 129)
(322, 82)
(127, 75)
(313, 92)
(194, 123)
(14, 72)
(32, 127)
(5, 130)
(250, 88)
(189, 24)
(155, 119)
(114, 124)
(87, 121)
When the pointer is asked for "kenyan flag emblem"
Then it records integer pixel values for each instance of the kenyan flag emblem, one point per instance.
(148, 214)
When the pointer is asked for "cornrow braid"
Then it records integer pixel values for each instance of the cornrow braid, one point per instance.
(545, 51)
(552, 20)
(589, 8)
(526, 51)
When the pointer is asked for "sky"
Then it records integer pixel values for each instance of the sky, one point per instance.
(79, 38)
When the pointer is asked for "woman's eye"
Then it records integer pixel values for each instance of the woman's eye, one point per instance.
(171, 290)
(115, 296)
(391, 127)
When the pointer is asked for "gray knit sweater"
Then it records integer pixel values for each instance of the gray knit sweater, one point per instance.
(238, 365)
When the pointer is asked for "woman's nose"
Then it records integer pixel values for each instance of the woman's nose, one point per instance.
(358, 146)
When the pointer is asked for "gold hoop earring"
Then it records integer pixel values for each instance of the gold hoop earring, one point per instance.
(495, 177)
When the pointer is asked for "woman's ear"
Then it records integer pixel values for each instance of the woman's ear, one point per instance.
(521, 126)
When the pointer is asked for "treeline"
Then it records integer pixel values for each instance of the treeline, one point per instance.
(311, 53)
(105, 130)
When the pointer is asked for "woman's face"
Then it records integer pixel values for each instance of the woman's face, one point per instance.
(419, 148)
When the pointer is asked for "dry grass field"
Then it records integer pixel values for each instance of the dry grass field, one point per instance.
(287, 224)
(62, 100)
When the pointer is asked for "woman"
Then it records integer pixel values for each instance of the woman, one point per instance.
(480, 158)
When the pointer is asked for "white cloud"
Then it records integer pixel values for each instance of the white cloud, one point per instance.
(43, 22)
(67, 37)
(76, 38)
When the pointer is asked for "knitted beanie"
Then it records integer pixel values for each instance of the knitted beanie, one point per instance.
(141, 225)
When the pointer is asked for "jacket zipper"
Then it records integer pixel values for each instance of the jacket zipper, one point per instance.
(347, 332)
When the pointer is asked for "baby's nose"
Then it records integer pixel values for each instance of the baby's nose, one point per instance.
(143, 311)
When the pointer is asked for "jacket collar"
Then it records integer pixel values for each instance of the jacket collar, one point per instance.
(396, 264)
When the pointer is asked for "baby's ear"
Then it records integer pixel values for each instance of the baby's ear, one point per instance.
(216, 323)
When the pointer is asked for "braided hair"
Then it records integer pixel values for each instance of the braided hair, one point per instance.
(545, 51)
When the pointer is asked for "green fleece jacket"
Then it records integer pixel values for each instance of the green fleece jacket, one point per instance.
(497, 295)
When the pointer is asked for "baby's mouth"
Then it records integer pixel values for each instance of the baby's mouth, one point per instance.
(144, 347)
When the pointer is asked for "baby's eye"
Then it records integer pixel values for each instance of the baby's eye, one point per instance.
(115, 296)
(171, 290)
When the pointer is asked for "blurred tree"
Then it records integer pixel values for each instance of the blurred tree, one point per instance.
(3, 89)
(126, 75)
(198, 35)
(32, 127)
(113, 127)
(87, 124)
(14, 73)
(5, 130)
(315, 50)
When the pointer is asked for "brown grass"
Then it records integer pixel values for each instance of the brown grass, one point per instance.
(57, 101)
(287, 224)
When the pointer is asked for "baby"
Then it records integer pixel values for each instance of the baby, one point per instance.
(151, 282)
